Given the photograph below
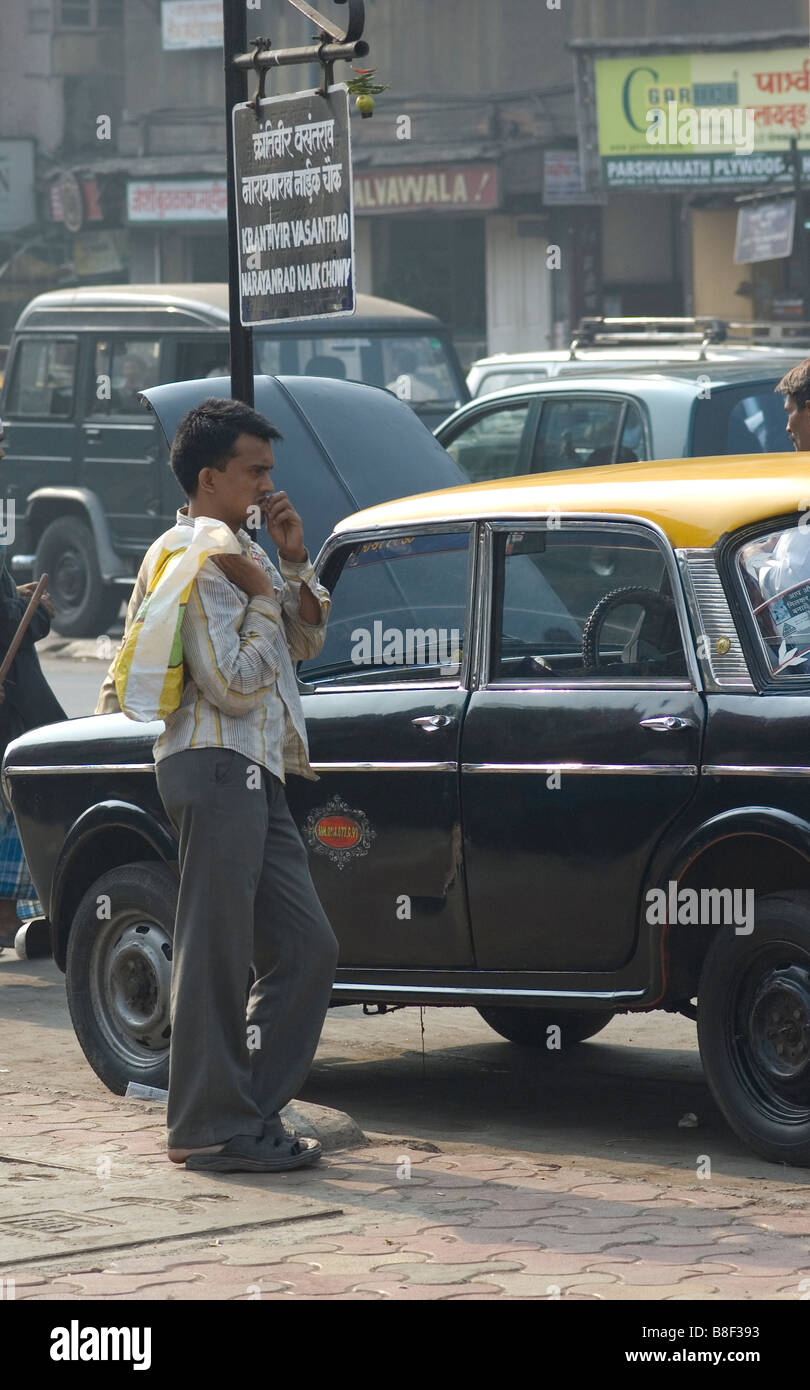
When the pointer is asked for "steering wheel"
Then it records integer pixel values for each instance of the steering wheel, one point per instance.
(654, 604)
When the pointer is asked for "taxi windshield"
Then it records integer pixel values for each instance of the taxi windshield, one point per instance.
(776, 573)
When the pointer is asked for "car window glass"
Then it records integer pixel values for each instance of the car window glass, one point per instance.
(501, 381)
(632, 445)
(775, 571)
(267, 355)
(398, 612)
(489, 444)
(414, 366)
(581, 603)
(209, 357)
(417, 369)
(121, 368)
(746, 420)
(44, 378)
(576, 433)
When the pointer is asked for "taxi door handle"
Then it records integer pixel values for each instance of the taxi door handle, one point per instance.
(432, 722)
(667, 723)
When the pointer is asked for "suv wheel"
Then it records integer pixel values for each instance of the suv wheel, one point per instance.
(85, 605)
(118, 974)
(530, 1026)
(754, 1028)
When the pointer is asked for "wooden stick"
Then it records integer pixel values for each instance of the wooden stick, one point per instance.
(14, 644)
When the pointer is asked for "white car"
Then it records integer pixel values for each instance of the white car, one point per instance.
(616, 344)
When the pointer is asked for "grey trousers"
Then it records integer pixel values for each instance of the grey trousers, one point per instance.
(246, 897)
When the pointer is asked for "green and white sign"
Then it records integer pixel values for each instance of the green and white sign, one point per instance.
(709, 119)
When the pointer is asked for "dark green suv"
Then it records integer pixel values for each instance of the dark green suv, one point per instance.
(86, 464)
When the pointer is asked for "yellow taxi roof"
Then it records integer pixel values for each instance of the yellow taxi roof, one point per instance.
(694, 501)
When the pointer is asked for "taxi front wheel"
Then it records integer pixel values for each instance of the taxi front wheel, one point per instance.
(530, 1027)
(754, 1028)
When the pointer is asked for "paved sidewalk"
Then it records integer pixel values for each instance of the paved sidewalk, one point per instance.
(93, 1210)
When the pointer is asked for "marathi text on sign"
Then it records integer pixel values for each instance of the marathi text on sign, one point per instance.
(294, 207)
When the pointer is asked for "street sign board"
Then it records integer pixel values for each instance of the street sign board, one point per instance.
(765, 231)
(295, 209)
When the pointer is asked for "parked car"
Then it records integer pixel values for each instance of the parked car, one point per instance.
(615, 344)
(561, 730)
(676, 412)
(86, 468)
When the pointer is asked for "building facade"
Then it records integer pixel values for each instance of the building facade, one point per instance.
(482, 186)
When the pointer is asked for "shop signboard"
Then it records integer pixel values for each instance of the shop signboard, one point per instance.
(191, 24)
(427, 188)
(765, 231)
(294, 207)
(710, 119)
(176, 200)
(563, 184)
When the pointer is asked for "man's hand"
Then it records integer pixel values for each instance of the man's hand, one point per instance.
(284, 526)
(26, 590)
(247, 574)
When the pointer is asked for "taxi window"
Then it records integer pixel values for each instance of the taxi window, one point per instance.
(121, 368)
(775, 571)
(44, 378)
(574, 604)
(399, 612)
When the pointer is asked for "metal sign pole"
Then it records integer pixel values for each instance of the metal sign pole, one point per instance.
(234, 15)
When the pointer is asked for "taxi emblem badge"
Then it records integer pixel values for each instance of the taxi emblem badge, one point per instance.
(339, 831)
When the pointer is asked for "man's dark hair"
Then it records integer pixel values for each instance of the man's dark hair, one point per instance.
(796, 383)
(207, 435)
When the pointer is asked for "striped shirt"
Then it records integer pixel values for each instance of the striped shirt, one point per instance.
(240, 691)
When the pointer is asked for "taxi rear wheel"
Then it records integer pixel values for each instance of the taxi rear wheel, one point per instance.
(754, 1028)
(530, 1027)
(118, 974)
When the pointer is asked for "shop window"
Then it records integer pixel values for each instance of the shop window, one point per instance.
(91, 14)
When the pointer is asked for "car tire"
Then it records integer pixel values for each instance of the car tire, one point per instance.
(754, 1028)
(529, 1027)
(118, 973)
(85, 606)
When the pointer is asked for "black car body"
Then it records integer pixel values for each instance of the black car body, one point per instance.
(526, 813)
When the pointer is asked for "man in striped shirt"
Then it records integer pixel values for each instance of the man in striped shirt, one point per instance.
(246, 895)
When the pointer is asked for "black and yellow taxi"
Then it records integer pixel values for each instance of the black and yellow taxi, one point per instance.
(560, 725)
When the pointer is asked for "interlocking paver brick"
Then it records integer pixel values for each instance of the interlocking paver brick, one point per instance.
(446, 1273)
(464, 1225)
(522, 1285)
